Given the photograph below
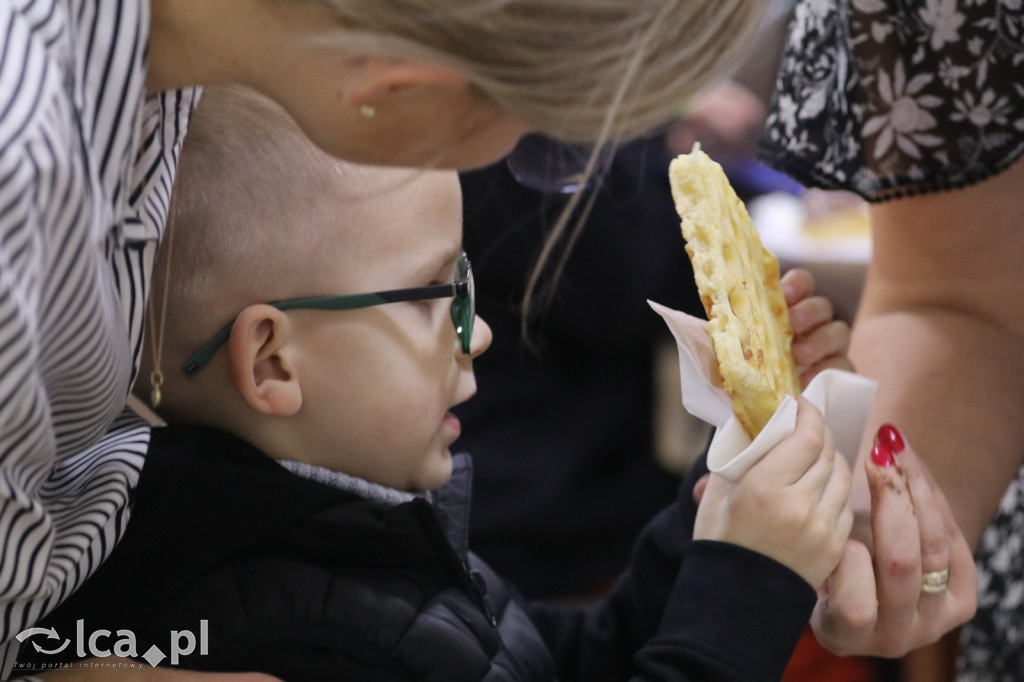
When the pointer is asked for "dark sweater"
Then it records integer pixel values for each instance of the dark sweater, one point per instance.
(310, 582)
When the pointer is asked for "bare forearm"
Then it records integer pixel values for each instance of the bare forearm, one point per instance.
(955, 387)
(941, 326)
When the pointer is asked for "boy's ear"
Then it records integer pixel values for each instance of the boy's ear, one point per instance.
(261, 361)
(381, 75)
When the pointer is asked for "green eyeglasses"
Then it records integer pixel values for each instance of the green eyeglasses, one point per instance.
(462, 290)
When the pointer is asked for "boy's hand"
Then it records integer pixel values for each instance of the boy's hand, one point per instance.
(819, 342)
(792, 506)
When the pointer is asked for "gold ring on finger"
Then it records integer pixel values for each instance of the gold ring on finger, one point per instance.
(934, 582)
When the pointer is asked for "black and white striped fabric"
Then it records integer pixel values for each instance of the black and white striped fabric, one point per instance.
(86, 167)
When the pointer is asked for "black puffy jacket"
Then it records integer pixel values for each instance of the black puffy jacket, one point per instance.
(310, 582)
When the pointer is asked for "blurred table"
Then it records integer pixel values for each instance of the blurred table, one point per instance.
(827, 233)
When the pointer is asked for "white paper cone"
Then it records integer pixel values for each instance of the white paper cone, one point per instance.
(843, 398)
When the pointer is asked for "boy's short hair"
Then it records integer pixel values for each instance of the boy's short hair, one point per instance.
(244, 226)
(257, 214)
(247, 221)
(243, 167)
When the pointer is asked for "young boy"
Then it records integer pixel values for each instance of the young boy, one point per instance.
(303, 514)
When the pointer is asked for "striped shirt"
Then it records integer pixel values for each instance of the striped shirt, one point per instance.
(86, 166)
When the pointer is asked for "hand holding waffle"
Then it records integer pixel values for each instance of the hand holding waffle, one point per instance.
(790, 502)
(820, 341)
(738, 373)
(793, 505)
(866, 606)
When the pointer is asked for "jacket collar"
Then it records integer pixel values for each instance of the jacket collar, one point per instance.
(453, 501)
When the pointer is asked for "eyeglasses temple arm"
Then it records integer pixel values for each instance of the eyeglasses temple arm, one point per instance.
(202, 357)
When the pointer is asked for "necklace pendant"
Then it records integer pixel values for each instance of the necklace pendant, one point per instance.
(156, 380)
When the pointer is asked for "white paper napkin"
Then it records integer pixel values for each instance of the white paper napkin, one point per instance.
(843, 398)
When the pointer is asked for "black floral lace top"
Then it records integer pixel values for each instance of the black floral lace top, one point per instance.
(890, 98)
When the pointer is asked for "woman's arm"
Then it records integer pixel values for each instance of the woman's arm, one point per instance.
(941, 326)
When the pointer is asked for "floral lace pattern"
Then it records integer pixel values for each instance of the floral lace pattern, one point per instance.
(992, 644)
(890, 98)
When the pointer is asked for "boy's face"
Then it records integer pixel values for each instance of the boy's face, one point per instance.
(378, 383)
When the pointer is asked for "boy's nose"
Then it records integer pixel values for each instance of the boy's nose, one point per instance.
(482, 337)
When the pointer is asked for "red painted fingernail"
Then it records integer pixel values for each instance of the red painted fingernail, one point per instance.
(881, 455)
(890, 435)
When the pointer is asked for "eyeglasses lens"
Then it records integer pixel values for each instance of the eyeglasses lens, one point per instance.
(464, 307)
(547, 165)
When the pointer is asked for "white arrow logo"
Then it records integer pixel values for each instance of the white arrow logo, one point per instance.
(50, 633)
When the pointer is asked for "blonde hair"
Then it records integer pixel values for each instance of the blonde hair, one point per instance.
(578, 70)
(601, 71)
